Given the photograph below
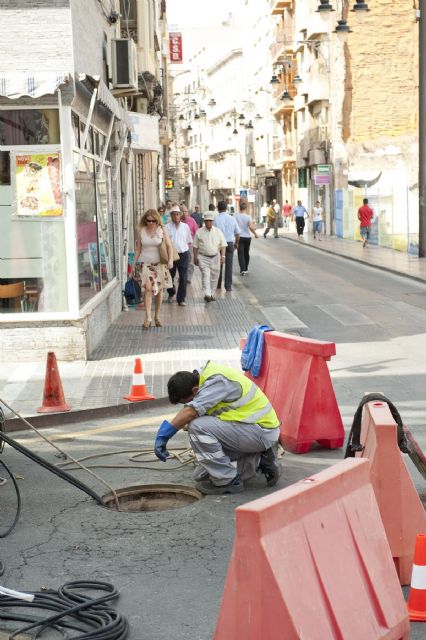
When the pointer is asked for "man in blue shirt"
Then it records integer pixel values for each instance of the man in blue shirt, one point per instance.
(230, 229)
(300, 214)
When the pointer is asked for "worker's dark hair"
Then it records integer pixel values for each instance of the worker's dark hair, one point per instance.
(211, 207)
(221, 206)
(365, 201)
(181, 384)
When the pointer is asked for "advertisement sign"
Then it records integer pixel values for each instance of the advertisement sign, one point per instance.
(144, 134)
(38, 185)
(175, 47)
(169, 184)
(324, 169)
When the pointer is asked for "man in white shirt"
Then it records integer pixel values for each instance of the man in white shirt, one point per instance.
(317, 216)
(230, 229)
(209, 244)
(180, 235)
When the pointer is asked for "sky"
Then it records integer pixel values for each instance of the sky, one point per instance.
(196, 13)
(194, 18)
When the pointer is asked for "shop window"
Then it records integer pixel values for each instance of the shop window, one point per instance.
(95, 241)
(33, 272)
(29, 126)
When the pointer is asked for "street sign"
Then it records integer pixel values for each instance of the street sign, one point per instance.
(323, 169)
(322, 179)
(243, 193)
(169, 184)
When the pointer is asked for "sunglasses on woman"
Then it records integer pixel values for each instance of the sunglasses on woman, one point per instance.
(150, 220)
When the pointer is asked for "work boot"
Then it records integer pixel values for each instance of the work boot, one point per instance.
(269, 466)
(209, 489)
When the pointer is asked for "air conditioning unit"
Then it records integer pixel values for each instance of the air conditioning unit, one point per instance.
(124, 66)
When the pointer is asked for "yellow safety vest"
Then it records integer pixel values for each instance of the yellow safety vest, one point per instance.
(251, 407)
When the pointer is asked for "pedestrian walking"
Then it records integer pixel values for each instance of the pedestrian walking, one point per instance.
(287, 214)
(197, 215)
(209, 253)
(166, 216)
(152, 276)
(365, 216)
(229, 419)
(317, 219)
(247, 227)
(180, 235)
(230, 229)
(300, 214)
(263, 211)
(271, 221)
(193, 226)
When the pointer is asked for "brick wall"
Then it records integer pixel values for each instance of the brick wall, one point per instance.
(51, 35)
(35, 35)
(383, 58)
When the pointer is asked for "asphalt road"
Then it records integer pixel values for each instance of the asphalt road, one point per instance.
(170, 566)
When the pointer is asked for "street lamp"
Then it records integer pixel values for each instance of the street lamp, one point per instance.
(342, 29)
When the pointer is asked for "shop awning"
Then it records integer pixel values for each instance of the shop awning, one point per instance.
(17, 84)
(104, 96)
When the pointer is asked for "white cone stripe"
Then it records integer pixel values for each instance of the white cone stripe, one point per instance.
(138, 378)
(418, 577)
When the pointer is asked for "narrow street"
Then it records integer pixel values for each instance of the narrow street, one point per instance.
(176, 561)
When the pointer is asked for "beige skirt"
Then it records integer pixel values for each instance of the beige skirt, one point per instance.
(158, 274)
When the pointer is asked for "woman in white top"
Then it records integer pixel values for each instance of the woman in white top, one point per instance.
(246, 226)
(149, 272)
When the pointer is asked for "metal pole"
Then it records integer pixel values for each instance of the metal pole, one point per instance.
(422, 130)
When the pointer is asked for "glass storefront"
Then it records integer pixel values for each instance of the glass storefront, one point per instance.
(33, 274)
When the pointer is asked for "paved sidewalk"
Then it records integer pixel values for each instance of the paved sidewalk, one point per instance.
(190, 336)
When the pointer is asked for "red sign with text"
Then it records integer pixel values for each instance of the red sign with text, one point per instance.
(175, 47)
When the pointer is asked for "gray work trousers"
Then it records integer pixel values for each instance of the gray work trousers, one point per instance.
(217, 443)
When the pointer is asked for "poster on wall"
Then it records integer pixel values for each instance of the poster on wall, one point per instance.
(38, 185)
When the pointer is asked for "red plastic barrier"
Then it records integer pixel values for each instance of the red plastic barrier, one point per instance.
(295, 377)
(312, 561)
(400, 507)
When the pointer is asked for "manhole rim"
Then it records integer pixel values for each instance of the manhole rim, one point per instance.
(158, 487)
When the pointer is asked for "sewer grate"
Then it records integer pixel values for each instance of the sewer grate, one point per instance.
(152, 497)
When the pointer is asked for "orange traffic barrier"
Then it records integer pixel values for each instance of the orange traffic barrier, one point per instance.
(312, 561)
(417, 599)
(53, 393)
(138, 390)
(295, 377)
(400, 507)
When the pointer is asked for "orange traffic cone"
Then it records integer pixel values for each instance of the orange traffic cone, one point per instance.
(138, 390)
(417, 599)
(53, 395)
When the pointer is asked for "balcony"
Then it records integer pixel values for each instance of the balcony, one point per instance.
(284, 40)
(277, 6)
(312, 146)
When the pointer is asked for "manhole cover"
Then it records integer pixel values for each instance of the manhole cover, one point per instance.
(152, 497)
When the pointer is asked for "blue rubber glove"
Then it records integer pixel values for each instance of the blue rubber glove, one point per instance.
(164, 433)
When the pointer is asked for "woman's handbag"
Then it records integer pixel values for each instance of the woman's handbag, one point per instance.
(164, 257)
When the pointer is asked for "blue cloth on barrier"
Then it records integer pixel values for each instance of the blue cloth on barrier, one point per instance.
(251, 355)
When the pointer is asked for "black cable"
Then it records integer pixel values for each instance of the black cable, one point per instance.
(18, 501)
(354, 443)
(50, 467)
(72, 609)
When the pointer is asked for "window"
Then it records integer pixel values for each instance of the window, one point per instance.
(29, 126)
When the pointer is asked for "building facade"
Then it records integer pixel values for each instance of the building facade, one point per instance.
(72, 155)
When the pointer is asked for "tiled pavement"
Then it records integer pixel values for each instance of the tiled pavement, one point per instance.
(190, 336)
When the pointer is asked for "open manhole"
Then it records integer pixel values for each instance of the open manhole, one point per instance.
(152, 497)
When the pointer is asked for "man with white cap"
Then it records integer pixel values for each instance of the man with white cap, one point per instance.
(209, 253)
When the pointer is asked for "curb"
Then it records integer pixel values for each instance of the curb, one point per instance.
(80, 415)
(358, 260)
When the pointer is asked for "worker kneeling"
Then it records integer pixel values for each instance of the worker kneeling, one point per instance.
(229, 419)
